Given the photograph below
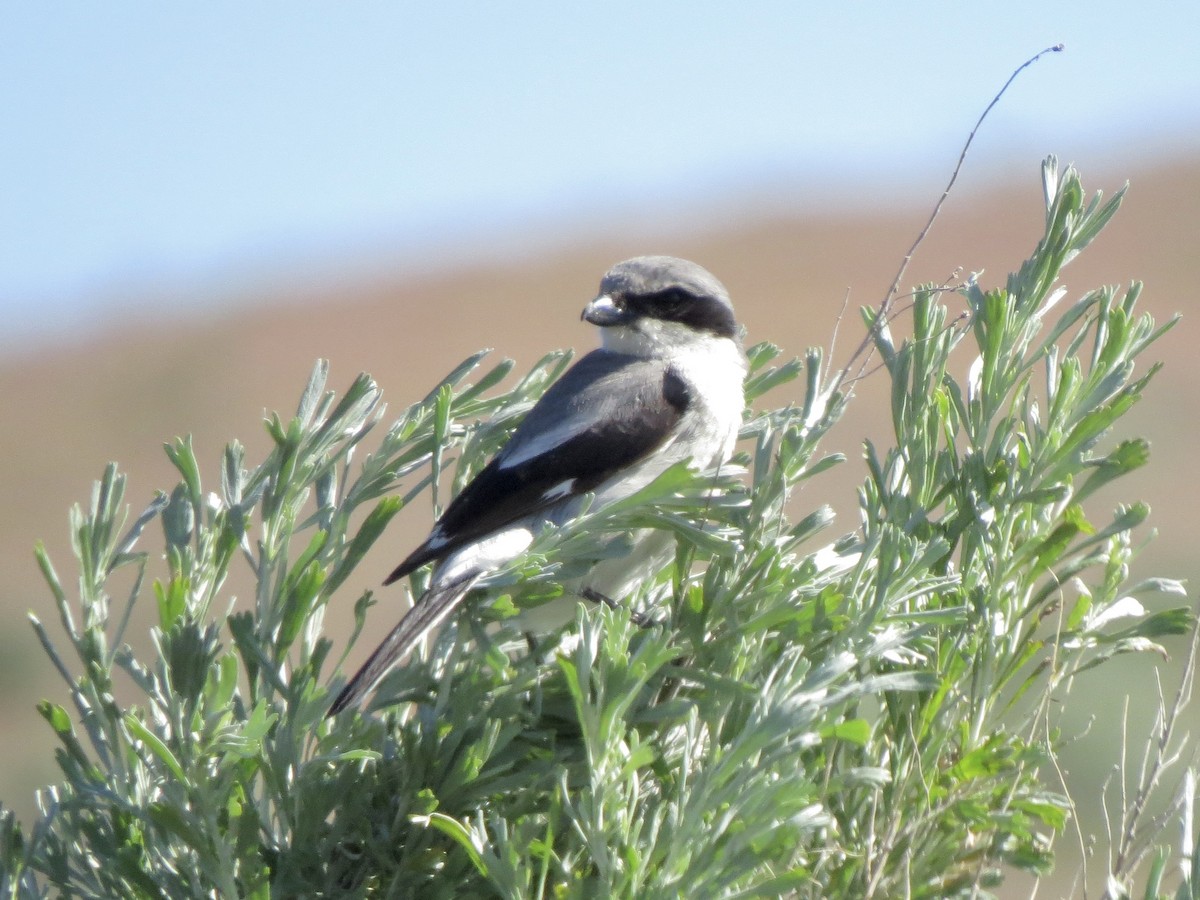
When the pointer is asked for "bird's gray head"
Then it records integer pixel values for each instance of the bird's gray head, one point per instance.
(651, 292)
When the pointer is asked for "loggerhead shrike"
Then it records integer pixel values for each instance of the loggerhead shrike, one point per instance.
(664, 387)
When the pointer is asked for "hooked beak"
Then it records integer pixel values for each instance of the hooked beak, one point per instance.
(604, 312)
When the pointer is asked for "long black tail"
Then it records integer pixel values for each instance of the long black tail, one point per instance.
(434, 605)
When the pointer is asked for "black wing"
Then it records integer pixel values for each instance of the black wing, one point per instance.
(607, 412)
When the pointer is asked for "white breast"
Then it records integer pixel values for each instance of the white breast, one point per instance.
(713, 369)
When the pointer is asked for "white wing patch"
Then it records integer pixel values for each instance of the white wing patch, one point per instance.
(562, 489)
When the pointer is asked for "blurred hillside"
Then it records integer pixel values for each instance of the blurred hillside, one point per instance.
(71, 406)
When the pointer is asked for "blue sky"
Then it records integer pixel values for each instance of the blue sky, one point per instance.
(203, 143)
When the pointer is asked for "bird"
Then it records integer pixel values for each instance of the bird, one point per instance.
(664, 387)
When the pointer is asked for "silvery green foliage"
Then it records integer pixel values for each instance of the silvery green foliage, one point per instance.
(857, 716)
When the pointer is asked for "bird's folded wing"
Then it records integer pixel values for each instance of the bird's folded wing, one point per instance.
(606, 413)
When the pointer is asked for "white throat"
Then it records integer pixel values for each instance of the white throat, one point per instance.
(656, 339)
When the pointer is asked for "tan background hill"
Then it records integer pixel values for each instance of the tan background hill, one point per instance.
(70, 406)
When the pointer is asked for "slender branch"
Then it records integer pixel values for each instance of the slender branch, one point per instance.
(1162, 759)
(866, 346)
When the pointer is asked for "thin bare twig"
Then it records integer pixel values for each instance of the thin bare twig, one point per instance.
(837, 324)
(866, 346)
(1159, 745)
(865, 373)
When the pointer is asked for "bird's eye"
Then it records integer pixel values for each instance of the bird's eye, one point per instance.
(668, 302)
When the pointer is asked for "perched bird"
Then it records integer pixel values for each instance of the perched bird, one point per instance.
(664, 387)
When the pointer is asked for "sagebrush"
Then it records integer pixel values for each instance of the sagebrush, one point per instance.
(871, 715)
